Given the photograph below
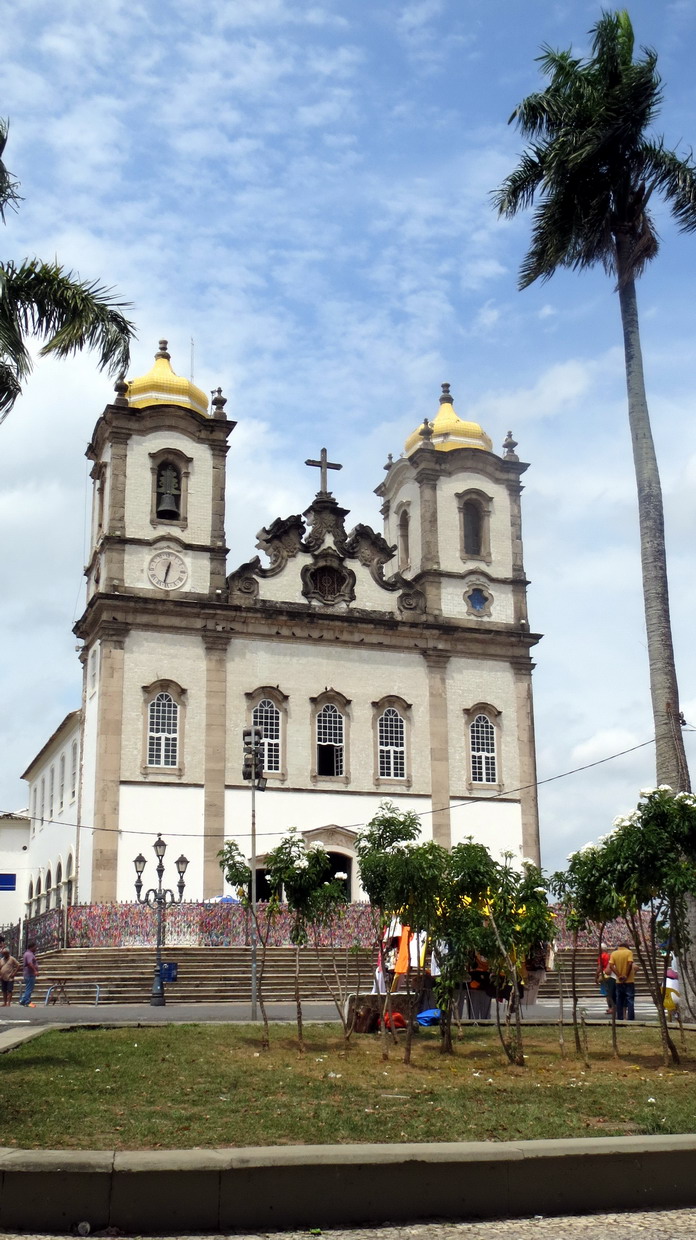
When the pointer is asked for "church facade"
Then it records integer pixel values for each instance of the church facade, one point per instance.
(393, 665)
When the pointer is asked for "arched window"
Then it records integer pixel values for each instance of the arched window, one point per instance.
(69, 880)
(49, 885)
(471, 516)
(266, 716)
(474, 525)
(168, 502)
(482, 749)
(163, 731)
(58, 901)
(403, 542)
(392, 745)
(73, 771)
(330, 741)
(37, 897)
(30, 897)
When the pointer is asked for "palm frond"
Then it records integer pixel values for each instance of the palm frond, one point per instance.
(517, 191)
(674, 178)
(47, 301)
(9, 185)
(10, 386)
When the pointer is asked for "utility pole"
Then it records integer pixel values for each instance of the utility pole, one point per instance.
(252, 770)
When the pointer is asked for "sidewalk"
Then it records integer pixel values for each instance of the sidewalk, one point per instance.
(224, 1013)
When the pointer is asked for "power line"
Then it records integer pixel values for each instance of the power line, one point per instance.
(356, 826)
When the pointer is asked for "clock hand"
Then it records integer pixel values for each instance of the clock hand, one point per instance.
(166, 572)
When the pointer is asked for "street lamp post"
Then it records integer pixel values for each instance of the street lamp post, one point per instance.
(252, 769)
(159, 897)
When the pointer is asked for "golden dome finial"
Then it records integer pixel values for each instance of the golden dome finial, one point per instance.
(447, 430)
(161, 386)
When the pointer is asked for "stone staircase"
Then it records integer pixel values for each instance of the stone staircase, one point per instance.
(205, 974)
(223, 974)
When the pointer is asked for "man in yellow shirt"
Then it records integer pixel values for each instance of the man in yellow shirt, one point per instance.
(621, 965)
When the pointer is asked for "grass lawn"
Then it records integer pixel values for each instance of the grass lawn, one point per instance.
(181, 1086)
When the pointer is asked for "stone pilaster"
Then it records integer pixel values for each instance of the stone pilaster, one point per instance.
(427, 475)
(218, 558)
(114, 560)
(216, 645)
(108, 762)
(529, 807)
(519, 586)
(439, 746)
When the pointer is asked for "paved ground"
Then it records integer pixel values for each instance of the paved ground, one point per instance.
(661, 1225)
(172, 1013)
(195, 1013)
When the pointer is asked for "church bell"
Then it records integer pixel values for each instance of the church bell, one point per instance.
(167, 505)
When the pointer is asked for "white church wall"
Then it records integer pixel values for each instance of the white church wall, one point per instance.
(287, 587)
(498, 825)
(277, 812)
(139, 485)
(151, 656)
(454, 598)
(137, 560)
(177, 813)
(470, 682)
(449, 519)
(305, 671)
(407, 496)
(88, 767)
(14, 861)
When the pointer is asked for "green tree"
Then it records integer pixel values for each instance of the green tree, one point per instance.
(592, 167)
(470, 874)
(238, 874)
(388, 834)
(42, 299)
(520, 919)
(314, 899)
(587, 896)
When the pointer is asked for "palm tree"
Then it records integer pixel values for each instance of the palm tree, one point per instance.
(592, 167)
(42, 299)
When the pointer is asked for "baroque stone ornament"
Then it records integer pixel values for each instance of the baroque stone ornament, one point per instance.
(244, 581)
(281, 542)
(328, 581)
(326, 519)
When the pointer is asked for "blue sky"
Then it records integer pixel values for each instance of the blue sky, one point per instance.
(303, 189)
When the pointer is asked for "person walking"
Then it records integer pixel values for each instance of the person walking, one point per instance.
(606, 981)
(624, 970)
(30, 972)
(9, 968)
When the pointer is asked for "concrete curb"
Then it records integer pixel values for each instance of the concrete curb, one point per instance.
(10, 1039)
(282, 1187)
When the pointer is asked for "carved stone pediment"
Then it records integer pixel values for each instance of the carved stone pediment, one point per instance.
(331, 837)
(370, 549)
(281, 542)
(243, 583)
(325, 518)
(327, 580)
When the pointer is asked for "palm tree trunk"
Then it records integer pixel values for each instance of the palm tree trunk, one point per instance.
(670, 758)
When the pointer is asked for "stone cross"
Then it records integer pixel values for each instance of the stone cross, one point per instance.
(323, 464)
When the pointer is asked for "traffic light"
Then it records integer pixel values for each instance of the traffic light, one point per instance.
(252, 764)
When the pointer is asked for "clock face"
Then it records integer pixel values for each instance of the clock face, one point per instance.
(167, 570)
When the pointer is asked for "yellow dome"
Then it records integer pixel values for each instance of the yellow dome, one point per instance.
(160, 386)
(448, 430)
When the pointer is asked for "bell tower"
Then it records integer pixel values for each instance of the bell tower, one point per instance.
(158, 511)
